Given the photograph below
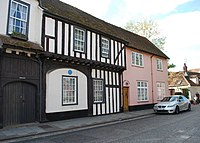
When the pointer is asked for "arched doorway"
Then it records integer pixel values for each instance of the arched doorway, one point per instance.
(19, 103)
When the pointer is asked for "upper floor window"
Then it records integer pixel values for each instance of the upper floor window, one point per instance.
(137, 59)
(79, 39)
(69, 90)
(98, 90)
(18, 18)
(160, 90)
(159, 64)
(142, 90)
(105, 47)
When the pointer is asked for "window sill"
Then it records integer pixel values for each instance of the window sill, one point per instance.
(19, 36)
(142, 101)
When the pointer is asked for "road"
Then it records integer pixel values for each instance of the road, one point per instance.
(181, 128)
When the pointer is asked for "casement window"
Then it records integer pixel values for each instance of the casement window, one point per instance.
(69, 90)
(98, 91)
(160, 90)
(105, 47)
(18, 18)
(79, 40)
(137, 59)
(142, 90)
(159, 64)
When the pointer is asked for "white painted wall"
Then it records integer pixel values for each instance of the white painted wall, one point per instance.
(35, 19)
(54, 91)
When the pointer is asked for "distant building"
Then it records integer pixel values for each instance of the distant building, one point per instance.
(186, 82)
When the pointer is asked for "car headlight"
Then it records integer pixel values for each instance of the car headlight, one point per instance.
(171, 105)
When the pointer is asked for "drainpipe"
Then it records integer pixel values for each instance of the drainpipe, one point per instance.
(152, 90)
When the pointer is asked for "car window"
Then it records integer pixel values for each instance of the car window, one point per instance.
(173, 99)
(165, 99)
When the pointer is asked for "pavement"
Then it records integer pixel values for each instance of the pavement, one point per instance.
(35, 130)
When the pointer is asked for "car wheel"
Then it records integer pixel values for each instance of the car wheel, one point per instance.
(177, 110)
(189, 107)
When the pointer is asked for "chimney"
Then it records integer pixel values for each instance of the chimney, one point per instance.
(185, 69)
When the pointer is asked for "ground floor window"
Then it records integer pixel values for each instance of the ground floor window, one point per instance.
(142, 90)
(160, 90)
(98, 90)
(69, 90)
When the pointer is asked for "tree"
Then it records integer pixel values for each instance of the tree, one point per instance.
(148, 29)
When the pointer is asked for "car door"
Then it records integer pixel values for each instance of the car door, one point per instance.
(181, 103)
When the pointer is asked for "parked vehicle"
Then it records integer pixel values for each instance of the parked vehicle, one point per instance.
(173, 104)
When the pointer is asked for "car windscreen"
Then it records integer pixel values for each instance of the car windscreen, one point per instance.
(169, 99)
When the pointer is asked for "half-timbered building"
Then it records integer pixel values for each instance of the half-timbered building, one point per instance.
(58, 62)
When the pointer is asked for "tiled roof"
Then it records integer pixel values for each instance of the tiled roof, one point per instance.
(176, 79)
(75, 15)
(7, 40)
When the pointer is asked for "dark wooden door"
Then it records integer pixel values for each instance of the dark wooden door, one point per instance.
(125, 93)
(18, 103)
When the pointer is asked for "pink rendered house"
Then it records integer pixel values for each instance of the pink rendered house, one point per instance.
(145, 80)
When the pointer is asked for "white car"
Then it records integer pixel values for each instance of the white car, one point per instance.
(172, 104)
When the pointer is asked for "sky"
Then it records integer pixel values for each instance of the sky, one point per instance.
(178, 21)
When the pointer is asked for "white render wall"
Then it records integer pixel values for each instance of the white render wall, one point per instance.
(35, 19)
(54, 91)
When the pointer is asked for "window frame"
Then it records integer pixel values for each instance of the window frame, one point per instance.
(27, 19)
(160, 90)
(137, 59)
(146, 91)
(159, 64)
(103, 91)
(76, 89)
(84, 39)
(101, 45)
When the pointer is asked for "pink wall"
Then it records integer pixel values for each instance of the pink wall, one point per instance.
(135, 73)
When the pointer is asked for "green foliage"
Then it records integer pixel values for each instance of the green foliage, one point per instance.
(171, 66)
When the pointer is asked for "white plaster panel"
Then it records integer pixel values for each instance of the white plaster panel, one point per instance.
(120, 59)
(111, 101)
(107, 101)
(118, 100)
(103, 108)
(123, 58)
(98, 73)
(59, 46)
(114, 80)
(112, 52)
(66, 39)
(106, 77)
(4, 7)
(49, 27)
(54, 91)
(102, 74)
(98, 48)
(72, 41)
(116, 52)
(99, 109)
(94, 109)
(115, 99)
(93, 73)
(51, 45)
(93, 46)
(103, 60)
(110, 78)
(88, 45)
(117, 82)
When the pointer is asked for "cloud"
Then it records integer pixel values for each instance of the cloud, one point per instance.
(182, 32)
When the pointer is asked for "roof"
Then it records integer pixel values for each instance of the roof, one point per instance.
(7, 40)
(75, 15)
(176, 79)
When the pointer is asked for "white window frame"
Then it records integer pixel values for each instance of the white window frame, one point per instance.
(105, 47)
(142, 91)
(160, 90)
(98, 90)
(137, 59)
(15, 23)
(79, 39)
(69, 90)
(159, 64)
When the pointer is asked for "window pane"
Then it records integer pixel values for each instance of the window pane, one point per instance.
(98, 90)
(79, 40)
(69, 90)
